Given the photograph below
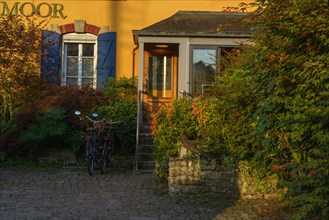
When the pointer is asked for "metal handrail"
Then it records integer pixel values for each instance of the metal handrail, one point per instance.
(139, 112)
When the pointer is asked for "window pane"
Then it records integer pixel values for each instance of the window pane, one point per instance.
(72, 66)
(88, 50)
(72, 81)
(87, 66)
(72, 49)
(86, 82)
(204, 70)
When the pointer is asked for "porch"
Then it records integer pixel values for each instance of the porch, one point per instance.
(181, 56)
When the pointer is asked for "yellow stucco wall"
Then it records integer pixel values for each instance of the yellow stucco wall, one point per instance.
(123, 16)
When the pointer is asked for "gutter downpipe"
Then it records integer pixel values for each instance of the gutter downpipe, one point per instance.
(134, 60)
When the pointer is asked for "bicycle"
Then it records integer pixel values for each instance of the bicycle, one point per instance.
(107, 143)
(99, 143)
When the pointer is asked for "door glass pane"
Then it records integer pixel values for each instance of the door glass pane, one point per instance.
(87, 66)
(72, 66)
(204, 70)
(88, 50)
(160, 73)
(72, 49)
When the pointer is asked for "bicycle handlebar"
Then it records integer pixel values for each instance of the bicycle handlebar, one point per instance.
(102, 120)
(111, 122)
(98, 124)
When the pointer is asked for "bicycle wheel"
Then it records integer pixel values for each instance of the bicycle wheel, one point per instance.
(91, 166)
(110, 149)
(103, 162)
(90, 158)
(97, 161)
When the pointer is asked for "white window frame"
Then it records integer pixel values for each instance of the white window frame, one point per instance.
(80, 39)
(218, 49)
(192, 77)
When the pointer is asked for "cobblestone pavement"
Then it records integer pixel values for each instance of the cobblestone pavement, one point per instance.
(73, 194)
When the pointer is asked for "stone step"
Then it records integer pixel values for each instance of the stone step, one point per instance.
(145, 157)
(147, 166)
(146, 136)
(145, 162)
(146, 142)
(146, 128)
(145, 148)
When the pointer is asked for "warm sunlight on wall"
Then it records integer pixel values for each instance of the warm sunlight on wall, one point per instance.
(123, 16)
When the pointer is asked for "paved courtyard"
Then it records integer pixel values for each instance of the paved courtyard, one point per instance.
(73, 194)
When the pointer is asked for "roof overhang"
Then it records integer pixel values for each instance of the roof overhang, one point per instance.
(192, 24)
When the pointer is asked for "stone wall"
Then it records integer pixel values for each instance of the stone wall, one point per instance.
(188, 177)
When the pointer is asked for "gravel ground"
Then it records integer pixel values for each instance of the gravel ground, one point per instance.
(116, 194)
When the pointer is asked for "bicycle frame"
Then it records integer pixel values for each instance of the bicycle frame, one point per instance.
(108, 143)
(92, 139)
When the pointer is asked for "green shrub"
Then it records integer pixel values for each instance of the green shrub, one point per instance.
(121, 105)
(125, 111)
(199, 119)
(45, 97)
(50, 130)
(119, 88)
(286, 75)
(3, 157)
(166, 139)
(290, 67)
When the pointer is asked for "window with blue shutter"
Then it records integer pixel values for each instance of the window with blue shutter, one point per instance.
(51, 62)
(106, 61)
(56, 69)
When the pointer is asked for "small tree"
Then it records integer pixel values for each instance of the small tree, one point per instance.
(20, 42)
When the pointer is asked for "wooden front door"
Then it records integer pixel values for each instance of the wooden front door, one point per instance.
(160, 77)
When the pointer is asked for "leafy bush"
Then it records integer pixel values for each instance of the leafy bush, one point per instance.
(48, 97)
(49, 131)
(285, 75)
(121, 105)
(3, 156)
(290, 69)
(200, 119)
(121, 88)
(125, 111)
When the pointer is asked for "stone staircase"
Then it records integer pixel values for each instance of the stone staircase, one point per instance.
(144, 151)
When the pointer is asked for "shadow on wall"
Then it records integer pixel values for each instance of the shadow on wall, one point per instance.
(191, 176)
(195, 178)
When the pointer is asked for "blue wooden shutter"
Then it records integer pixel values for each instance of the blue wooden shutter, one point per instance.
(106, 57)
(51, 62)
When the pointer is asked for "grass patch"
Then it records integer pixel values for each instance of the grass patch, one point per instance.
(25, 164)
(238, 208)
(209, 200)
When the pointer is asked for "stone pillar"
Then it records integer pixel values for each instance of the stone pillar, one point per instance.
(184, 177)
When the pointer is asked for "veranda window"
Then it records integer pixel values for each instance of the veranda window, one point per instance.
(205, 62)
(203, 70)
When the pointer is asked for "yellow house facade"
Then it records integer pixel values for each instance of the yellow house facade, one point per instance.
(172, 46)
(118, 16)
